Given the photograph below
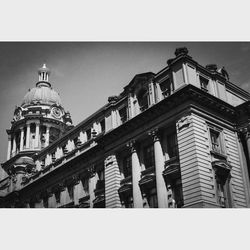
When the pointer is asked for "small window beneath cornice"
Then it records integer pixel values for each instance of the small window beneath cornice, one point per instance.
(166, 88)
(204, 83)
(123, 112)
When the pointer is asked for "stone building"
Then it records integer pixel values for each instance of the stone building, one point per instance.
(173, 139)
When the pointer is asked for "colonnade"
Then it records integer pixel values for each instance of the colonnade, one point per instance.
(26, 145)
(159, 167)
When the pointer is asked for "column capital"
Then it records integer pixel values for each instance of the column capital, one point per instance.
(132, 145)
(155, 134)
(91, 171)
(244, 133)
(72, 180)
(59, 187)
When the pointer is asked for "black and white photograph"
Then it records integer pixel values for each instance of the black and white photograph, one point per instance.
(124, 125)
(158, 125)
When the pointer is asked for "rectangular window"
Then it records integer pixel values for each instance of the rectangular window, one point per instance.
(53, 156)
(216, 141)
(142, 98)
(204, 83)
(166, 88)
(172, 145)
(127, 166)
(88, 132)
(123, 114)
(149, 158)
(222, 183)
(102, 123)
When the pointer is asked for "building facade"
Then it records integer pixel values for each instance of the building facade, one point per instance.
(178, 138)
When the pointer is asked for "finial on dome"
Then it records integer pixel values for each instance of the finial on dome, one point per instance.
(43, 75)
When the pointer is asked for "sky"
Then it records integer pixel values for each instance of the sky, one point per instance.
(85, 74)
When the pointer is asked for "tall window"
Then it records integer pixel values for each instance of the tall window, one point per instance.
(172, 145)
(222, 181)
(127, 166)
(143, 99)
(216, 141)
(102, 123)
(149, 158)
(166, 88)
(123, 114)
(88, 132)
(204, 83)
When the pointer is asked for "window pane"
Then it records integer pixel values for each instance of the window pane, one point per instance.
(172, 145)
(149, 156)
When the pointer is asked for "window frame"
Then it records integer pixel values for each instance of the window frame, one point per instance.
(221, 142)
(206, 87)
(151, 164)
(169, 89)
(222, 177)
(121, 117)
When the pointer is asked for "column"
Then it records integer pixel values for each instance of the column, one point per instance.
(92, 185)
(136, 175)
(21, 139)
(14, 144)
(159, 167)
(9, 147)
(47, 136)
(37, 135)
(28, 136)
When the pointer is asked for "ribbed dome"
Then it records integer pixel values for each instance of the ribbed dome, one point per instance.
(42, 94)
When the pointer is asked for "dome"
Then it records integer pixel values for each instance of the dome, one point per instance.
(42, 94)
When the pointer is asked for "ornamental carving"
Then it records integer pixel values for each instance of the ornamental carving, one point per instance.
(91, 171)
(17, 114)
(132, 145)
(184, 122)
(56, 112)
(154, 133)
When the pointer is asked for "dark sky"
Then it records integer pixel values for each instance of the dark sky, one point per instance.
(86, 73)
